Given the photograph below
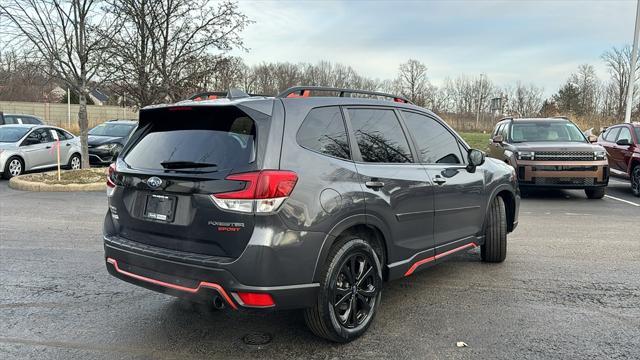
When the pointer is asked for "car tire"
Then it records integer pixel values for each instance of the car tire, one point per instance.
(635, 181)
(331, 317)
(13, 167)
(595, 193)
(494, 248)
(75, 162)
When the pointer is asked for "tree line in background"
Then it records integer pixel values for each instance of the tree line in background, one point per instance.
(143, 52)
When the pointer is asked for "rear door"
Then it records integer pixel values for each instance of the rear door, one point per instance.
(65, 144)
(458, 192)
(397, 189)
(175, 160)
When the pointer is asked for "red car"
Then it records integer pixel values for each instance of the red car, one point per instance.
(622, 143)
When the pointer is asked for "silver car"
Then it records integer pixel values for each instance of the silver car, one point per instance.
(27, 147)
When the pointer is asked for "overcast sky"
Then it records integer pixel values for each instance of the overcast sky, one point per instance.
(532, 41)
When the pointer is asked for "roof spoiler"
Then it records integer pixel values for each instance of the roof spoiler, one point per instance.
(231, 94)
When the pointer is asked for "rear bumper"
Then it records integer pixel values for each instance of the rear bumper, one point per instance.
(197, 282)
(563, 174)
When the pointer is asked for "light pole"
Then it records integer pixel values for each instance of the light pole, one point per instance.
(479, 102)
(68, 108)
(632, 67)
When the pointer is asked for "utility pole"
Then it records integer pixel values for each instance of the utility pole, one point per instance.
(632, 71)
(479, 101)
(68, 109)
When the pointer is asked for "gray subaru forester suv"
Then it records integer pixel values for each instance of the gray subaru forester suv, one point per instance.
(308, 200)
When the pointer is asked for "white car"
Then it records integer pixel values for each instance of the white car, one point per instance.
(27, 147)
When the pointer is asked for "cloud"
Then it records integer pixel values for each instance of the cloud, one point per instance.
(530, 41)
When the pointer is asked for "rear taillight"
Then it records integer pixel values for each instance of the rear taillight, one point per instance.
(264, 191)
(111, 176)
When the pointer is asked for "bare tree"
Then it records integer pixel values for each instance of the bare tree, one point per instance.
(524, 100)
(165, 47)
(619, 63)
(71, 38)
(413, 82)
(23, 79)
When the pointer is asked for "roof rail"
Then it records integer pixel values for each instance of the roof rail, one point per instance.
(561, 117)
(305, 91)
(231, 94)
(506, 118)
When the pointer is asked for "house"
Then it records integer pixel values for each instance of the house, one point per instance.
(98, 97)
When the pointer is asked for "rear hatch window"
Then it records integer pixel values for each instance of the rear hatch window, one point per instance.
(195, 139)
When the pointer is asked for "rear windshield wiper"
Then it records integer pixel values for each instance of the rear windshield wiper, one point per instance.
(186, 165)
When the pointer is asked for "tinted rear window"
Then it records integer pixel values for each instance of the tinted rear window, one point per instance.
(379, 135)
(221, 136)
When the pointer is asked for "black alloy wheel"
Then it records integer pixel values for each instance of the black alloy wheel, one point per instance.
(635, 180)
(354, 291)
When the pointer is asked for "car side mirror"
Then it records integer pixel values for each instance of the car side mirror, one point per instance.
(593, 139)
(623, 142)
(497, 139)
(476, 158)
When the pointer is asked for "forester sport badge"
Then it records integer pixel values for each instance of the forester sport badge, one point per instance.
(154, 181)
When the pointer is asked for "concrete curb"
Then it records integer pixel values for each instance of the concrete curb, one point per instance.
(19, 184)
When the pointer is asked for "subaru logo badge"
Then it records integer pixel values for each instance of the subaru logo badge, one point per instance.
(154, 182)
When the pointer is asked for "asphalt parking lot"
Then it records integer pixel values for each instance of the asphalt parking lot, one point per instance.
(570, 288)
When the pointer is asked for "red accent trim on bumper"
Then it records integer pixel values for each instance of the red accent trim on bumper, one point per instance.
(438, 256)
(203, 284)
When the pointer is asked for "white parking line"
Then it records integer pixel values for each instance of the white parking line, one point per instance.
(623, 200)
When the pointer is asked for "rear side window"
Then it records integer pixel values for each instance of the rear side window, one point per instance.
(612, 134)
(63, 135)
(323, 131)
(379, 135)
(200, 138)
(436, 145)
(30, 120)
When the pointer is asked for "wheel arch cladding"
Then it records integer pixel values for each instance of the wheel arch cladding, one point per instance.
(370, 233)
(510, 207)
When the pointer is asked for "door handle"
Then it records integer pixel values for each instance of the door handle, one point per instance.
(68, 144)
(439, 180)
(49, 147)
(374, 184)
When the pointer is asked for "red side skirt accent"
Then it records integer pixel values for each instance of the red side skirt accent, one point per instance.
(438, 256)
(203, 284)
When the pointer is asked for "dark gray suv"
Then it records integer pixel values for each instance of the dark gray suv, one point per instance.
(299, 201)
